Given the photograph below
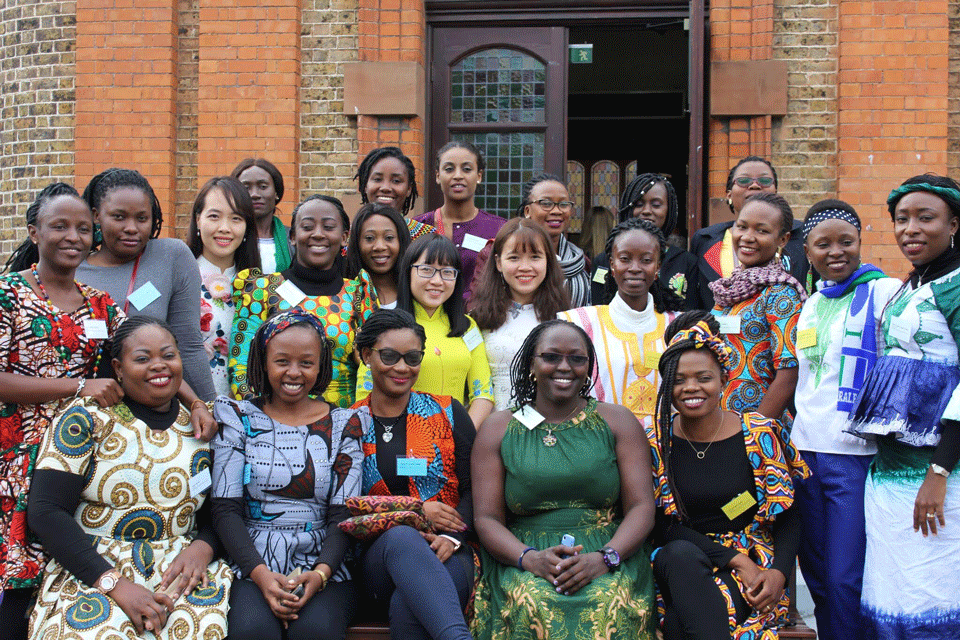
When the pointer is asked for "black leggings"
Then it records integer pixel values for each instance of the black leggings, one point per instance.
(15, 613)
(325, 617)
(695, 607)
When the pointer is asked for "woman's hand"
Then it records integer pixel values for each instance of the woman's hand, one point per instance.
(190, 566)
(747, 570)
(204, 426)
(578, 571)
(545, 563)
(105, 391)
(444, 517)
(928, 508)
(147, 610)
(312, 584)
(765, 590)
(277, 591)
(443, 547)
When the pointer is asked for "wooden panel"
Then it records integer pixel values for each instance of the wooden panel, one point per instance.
(383, 89)
(748, 88)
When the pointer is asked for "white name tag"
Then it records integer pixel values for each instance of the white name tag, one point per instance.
(901, 329)
(472, 338)
(528, 416)
(95, 329)
(472, 242)
(729, 324)
(143, 296)
(200, 482)
(291, 293)
(600, 275)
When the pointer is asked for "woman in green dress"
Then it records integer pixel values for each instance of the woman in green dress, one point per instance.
(562, 465)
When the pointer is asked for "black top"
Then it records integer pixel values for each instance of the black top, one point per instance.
(677, 262)
(316, 282)
(388, 452)
(706, 485)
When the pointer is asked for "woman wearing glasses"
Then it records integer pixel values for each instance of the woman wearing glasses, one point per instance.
(546, 201)
(431, 287)
(415, 444)
(713, 245)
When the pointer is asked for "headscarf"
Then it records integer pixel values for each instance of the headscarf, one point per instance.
(283, 321)
(702, 337)
(830, 214)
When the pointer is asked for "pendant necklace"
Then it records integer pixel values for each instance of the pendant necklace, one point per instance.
(703, 454)
(550, 440)
(387, 428)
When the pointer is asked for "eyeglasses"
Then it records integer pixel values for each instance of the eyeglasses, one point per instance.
(391, 357)
(746, 181)
(548, 205)
(573, 360)
(426, 272)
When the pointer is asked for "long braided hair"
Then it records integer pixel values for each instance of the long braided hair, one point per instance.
(102, 184)
(362, 176)
(27, 253)
(257, 378)
(521, 378)
(531, 183)
(664, 298)
(638, 187)
(669, 361)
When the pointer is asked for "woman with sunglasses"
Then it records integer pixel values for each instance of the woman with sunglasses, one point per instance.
(415, 444)
(431, 288)
(562, 466)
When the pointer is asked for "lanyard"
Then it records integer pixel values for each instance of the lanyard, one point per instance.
(133, 279)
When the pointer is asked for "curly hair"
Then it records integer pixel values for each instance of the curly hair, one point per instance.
(362, 176)
(102, 184)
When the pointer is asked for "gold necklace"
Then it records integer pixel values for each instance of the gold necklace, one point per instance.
(703, 454)
(550, 440)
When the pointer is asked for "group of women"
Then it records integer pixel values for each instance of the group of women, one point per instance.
(556, 468)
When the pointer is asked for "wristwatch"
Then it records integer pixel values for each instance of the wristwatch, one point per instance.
(611, 558)
(940, 471)
(108, 581)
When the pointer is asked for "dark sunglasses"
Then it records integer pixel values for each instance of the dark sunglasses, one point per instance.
(556, 358)
(745, 181)
(391, 357)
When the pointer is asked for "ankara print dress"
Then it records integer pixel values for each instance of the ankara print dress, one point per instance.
(31, 344)
(137, 507)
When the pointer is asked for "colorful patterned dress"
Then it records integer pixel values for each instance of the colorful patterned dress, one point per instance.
(256, 298)
(31, 345)
(138, 510)
(573, 487)
(776, 465)
(216, 319)
(766, 342)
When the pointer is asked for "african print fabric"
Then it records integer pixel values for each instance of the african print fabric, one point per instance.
(256, 298)
(572, 487)
(288, 477)
(138, 509)
(766, 342)
(429, 429)
(776, 464)
(31, 345)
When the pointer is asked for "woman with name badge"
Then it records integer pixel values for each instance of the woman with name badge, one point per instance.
(144, 273)
(223, 238)
(459, 170)
(431, 288)
(415, 444)
(910, 405)
(757, 308)
(314, 283)
(284, 464)
(837, 346)
(564, 504)
(119, 503)
(628, 332)
(386, 176)
(520, 287)
(727, 526)
(378, 241)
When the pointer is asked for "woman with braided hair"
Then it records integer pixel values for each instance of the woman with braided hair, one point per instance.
(387, 177)
(651, 196)
(910, 405)
(727, 532)
(628, 332)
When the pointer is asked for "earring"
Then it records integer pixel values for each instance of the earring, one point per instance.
(119, 379)
(585, 389)
(730, 202)
(533, 377)
(951, 242)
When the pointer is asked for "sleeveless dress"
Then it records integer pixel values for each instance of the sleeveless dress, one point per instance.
(573, 487)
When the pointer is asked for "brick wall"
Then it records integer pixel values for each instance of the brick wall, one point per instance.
(37, 68)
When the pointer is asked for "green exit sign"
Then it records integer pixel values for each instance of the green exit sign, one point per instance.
(581, 53)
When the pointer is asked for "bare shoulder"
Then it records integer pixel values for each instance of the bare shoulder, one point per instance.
(491, 431)
(620, 419)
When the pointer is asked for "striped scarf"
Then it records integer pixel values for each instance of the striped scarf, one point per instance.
(574, 265)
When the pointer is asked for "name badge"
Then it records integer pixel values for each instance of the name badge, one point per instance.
(807, 338)
(729, 324)
(528, 416)
(200, 482)
(474, 243)
(291, 293)
(900, 329)
(411, 466)
(739, 504)
(599, 276)
(95, 329)
(651, 359)
(472, 338)
(143, 296)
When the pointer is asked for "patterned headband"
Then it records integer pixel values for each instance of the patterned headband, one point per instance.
(829, 214)
(283, 321)
(948, 194)
(702, 336)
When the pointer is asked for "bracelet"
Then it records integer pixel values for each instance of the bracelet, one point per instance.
(520, 559)
(940, 471)
(194, 403)
(323, 578)
(80, 385)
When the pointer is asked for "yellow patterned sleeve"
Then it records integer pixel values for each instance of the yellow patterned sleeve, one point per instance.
(70, 443)
(251, 300)
(479, 384)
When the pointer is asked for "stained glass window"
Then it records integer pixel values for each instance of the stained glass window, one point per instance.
(498, 85)
(605, 184)
(631, 172)
(575, 185)
(512, 159)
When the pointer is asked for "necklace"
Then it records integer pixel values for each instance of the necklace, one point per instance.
(703, 454)
(387, 428)
(61, 349)
(550, 440)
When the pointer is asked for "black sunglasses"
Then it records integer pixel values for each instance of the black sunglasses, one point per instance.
(555, 359)
(391, 357)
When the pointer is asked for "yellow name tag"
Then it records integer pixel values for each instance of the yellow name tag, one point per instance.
(807, 338)
(651, 359)
(600, 275)
(739, 504)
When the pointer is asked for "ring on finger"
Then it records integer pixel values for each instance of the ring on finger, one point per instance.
(932, 515)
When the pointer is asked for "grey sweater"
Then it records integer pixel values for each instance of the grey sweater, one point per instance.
(169, 265)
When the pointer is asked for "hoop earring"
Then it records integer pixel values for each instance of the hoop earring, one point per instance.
(951, 242)
(585, 389)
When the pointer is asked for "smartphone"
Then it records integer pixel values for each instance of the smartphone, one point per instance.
(296, 574)
(568, 540)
